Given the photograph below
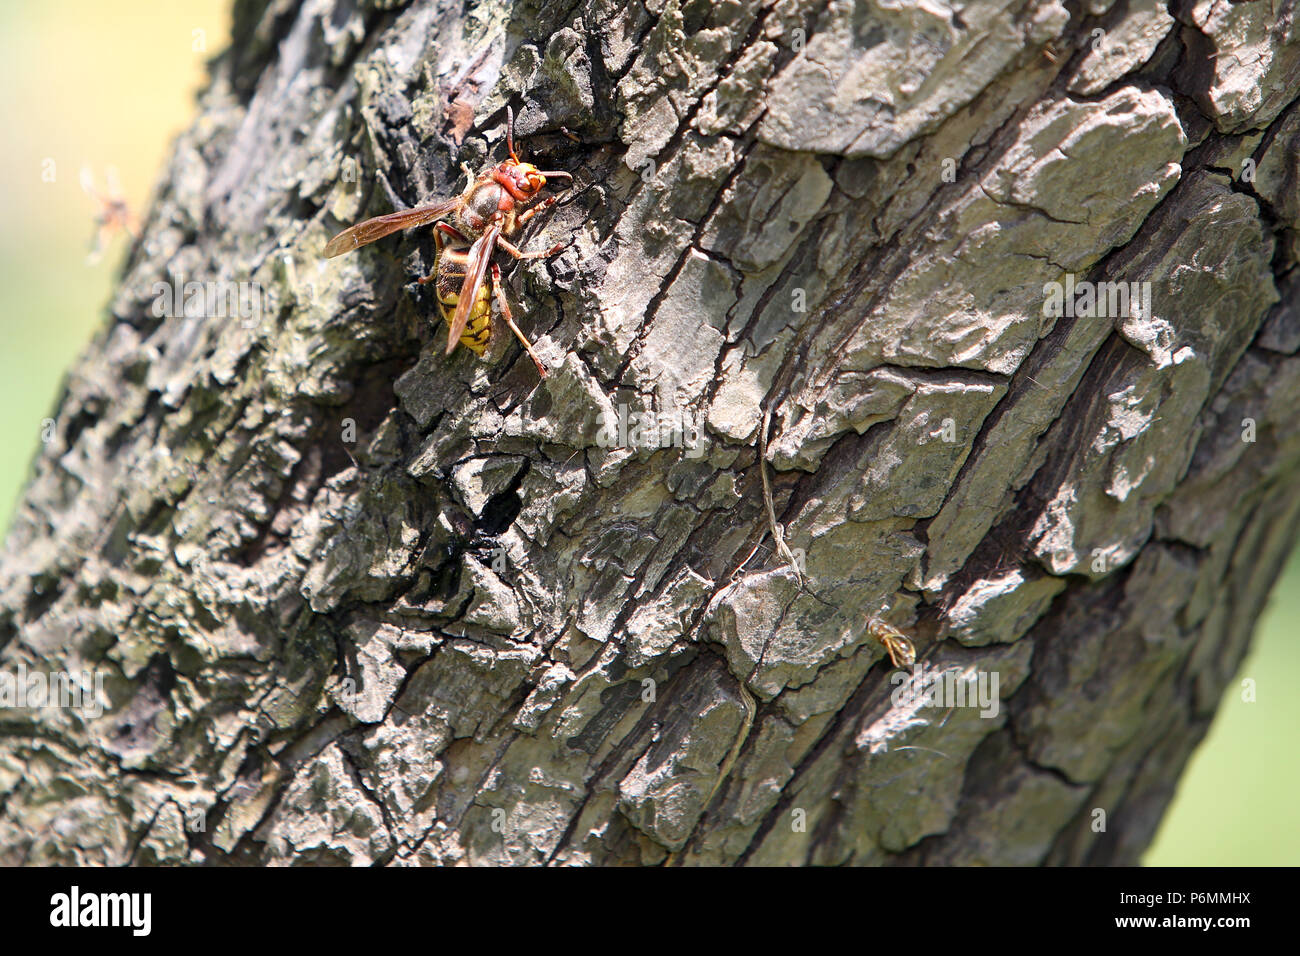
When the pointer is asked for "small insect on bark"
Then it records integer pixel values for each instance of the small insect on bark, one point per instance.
(901, 652)
(481, 218)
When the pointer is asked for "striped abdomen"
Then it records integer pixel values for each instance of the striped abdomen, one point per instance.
(451, 267)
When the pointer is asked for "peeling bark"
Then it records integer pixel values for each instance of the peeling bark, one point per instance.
(357, 602)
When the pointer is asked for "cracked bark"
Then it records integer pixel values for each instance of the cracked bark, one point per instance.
(359, 603)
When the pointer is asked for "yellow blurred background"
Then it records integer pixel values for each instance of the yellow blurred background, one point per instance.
(82, 84)
(109, 84)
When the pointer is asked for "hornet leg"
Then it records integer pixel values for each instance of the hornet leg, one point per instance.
(530, 213)
(508, 247)
(438, 241)
(510, 321)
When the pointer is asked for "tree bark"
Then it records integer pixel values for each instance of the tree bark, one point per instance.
(354, 601)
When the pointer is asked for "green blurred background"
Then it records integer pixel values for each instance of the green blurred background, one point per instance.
(110, 83)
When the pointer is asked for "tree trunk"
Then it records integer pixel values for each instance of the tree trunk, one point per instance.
(354, 601)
